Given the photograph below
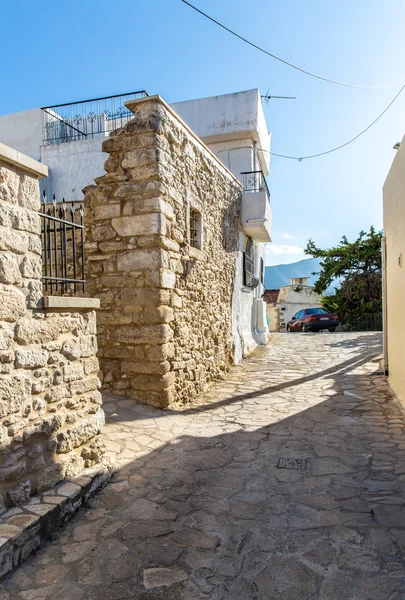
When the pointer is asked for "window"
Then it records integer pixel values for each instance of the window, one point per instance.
(249, 279)
(195, 225)
(316, 311)
(262, 271)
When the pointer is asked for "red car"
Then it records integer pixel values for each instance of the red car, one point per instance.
(313, 319)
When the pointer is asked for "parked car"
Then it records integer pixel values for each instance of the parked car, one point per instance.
(313, 319)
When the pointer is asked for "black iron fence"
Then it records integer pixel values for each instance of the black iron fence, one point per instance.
(372, 322)
(255, 181)
(62, 236)
(87, 118)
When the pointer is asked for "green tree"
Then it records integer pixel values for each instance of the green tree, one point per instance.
(357, 266)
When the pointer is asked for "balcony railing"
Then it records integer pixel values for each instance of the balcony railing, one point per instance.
(255, 181)
(86, 119)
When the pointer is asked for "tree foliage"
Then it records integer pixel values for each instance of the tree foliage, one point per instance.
(357, 266)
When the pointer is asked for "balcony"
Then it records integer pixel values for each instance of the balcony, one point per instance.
(256, 209)
(86, 119)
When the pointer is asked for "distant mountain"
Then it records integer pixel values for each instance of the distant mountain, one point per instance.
(279, 275)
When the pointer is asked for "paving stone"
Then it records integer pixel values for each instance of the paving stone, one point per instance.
(199, 508)
(158, 577)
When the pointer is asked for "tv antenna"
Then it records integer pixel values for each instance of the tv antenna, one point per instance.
(266, 97)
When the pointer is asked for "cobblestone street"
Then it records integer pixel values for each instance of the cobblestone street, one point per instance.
(285, 482)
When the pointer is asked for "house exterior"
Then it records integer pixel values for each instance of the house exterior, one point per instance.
(68, 139)
(284, 303)
(394, 271)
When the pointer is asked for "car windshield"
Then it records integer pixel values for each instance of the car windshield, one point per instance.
(316, 311)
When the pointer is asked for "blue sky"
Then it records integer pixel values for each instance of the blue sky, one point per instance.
(60, 52)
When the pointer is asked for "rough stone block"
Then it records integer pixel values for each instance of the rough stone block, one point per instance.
(107, 211)
(14, 390)
(139, 158)
(139, 260)
(40, 331)
(56, 393)
(12, 305)
(9, 269)
(75, 436)
(31, 267)
(20, 494)
(147, 334)
(153, 368)
(73, 372)
(6, 336)
(13, 241)
(31, 359)
(139, 225)
(82, 386)
(152, 383)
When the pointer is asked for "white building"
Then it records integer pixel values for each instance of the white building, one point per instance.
(294, 297)
(67, 138)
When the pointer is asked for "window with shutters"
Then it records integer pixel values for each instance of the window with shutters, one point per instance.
(249, 279)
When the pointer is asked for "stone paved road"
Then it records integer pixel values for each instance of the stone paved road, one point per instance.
(200, 508)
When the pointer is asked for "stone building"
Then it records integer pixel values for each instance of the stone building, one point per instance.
(68, 139)
(50, 406)
(161, 255)
(222, 188)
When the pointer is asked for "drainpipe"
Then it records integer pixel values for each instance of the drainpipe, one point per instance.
(384, 303)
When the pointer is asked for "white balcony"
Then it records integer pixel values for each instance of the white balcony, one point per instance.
(256, 209)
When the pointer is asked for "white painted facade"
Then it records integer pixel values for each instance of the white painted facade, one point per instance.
(394, 272)
(294, 297)
(233, 126)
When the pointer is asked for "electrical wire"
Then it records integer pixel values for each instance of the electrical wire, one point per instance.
(301, 158)
(364, 87)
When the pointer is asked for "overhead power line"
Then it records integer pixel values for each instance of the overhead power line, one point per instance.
(364, 87)
(301, 158)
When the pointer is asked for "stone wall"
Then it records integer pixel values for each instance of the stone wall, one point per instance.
(50, 411)
(164, 328)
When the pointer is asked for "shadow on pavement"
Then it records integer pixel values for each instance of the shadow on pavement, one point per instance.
(212, 515)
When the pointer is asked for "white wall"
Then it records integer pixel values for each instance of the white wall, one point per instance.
(225, 117)
(23, 132)
(249, 323)
(394, 231)
(73, 166)
(291, 301)
(237, 155)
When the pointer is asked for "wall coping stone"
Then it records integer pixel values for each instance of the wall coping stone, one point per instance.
(22, 161)
(42, 519)
(70, 302)
(133, 104)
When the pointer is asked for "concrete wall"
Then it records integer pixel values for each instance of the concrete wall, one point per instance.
(394, 231)
(50, 411)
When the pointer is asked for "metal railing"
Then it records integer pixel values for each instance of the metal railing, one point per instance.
(62, 236)
(255, 181)
(87, 118)
(371, 322)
